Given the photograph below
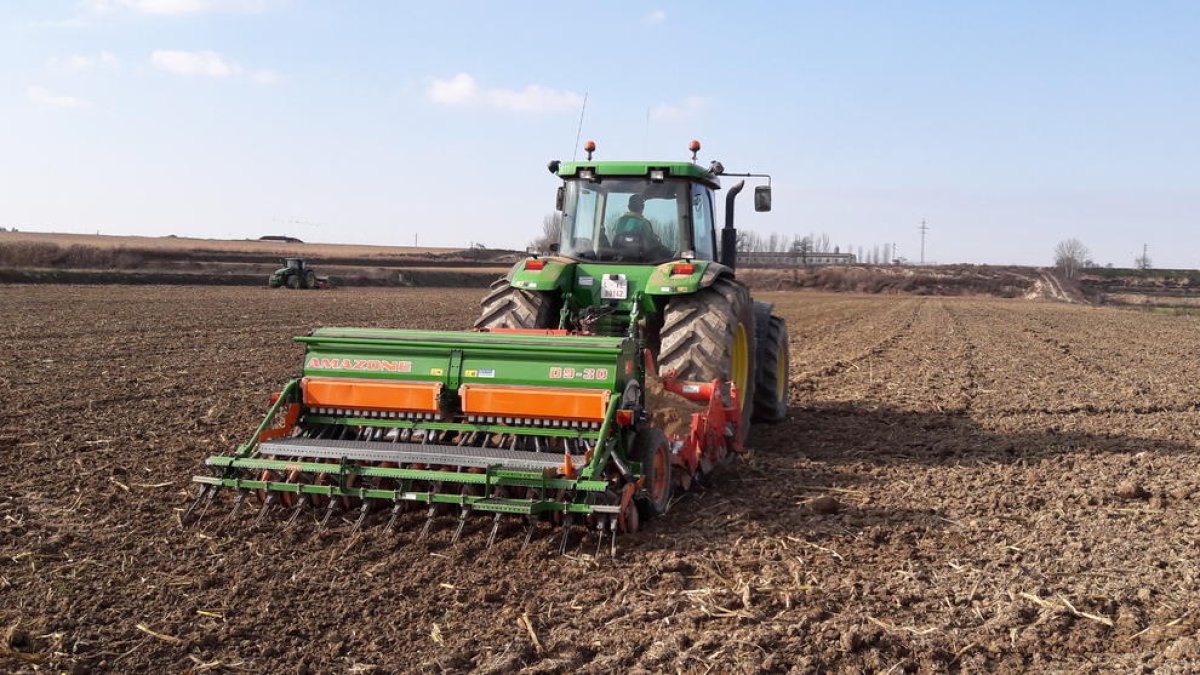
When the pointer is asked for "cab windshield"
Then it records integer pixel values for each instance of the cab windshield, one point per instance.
(626, 220)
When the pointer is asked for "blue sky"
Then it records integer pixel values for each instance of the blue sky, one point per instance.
(1008, 126)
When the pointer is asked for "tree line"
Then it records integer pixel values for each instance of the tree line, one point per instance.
(1071, 256)
(753, 242)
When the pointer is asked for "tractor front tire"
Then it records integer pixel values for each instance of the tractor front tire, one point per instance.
(507, 307)
(293, 281)
(653, 450)
(771, 354)
(709, 335)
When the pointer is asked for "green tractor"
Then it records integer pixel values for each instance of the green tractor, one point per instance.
(296, 273)
(548, 412)
(639, 246)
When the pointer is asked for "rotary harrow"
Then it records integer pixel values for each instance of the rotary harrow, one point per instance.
(545, 425)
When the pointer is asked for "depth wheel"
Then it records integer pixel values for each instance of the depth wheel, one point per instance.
(653, 450)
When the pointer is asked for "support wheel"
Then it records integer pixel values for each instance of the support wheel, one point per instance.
(771, 355)
(653, 450)
(507, 307)
(710, 335)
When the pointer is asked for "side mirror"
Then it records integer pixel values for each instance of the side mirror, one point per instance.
(762, 198)
(559, 198)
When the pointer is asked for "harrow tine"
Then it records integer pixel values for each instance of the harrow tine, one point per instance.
(301, 505)
(329, 510)
(562, 545)
(362, 515)
(462, 522)
(200, 497)
(212, 497)
(495, 528)
(397, 507)
(529, 533)
(599, 537)
(428, 522)
(612, 529)
(242, 494)
(268, 504)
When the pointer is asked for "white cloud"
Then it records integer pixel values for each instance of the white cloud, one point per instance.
(79, 63)
(691, 106)
(463, 89)
(459, 89)
(657, 16)
(44, 97)
(206, 63)
(179, 7)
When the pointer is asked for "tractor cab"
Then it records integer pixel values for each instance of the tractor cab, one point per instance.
(665, 214)
(294, 264)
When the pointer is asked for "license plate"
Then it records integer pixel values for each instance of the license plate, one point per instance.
(613, 287)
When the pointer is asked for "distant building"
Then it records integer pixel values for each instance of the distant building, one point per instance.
(794, 259)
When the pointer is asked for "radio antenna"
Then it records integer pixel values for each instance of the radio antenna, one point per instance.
(579, 131)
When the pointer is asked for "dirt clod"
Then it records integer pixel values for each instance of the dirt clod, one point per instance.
(824, 505)
(669, 411)
(1130, 490)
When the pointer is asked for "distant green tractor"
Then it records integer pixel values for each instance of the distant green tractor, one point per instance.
(296, 273)
(639, 252)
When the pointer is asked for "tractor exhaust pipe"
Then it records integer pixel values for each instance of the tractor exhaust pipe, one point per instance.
(728, 233)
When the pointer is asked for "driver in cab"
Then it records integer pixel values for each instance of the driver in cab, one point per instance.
(633, 235)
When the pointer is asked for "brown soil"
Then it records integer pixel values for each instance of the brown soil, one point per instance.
(669, 411)
(974, 453)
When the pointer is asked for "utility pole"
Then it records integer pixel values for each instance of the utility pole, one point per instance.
(924, 228)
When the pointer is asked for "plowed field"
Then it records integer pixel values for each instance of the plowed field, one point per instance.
(962, 484)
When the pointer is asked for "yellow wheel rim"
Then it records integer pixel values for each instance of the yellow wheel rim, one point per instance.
(781, 375)
(741, 362)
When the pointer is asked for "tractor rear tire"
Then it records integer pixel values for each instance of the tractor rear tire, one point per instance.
(653, 450)
(708, 335)
(771, 355)
(310, 279)
(293, 281)
(507, 307)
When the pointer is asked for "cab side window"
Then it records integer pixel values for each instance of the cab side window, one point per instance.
(702, 224)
